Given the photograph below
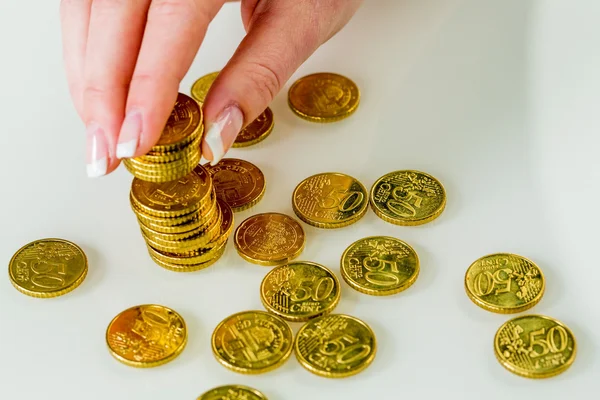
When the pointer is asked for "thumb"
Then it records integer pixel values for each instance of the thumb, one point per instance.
(281, 36)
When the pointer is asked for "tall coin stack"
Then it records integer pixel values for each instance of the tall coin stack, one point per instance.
(178, 149)
(183, 223)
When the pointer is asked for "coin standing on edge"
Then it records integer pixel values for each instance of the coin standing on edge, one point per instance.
(408, 198)
(380, 265)
(504, 283)
(146, 336)
(335, 346)
(48, 268)
(256, 131)
(252, 342)
(269, 239)
(535, 346)
(232, 392)
(323, 97)
(239, 183)
(330, 200)
(299, 291)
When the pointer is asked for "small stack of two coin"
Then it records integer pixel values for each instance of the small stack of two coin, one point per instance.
(183, 223)
(177, 151)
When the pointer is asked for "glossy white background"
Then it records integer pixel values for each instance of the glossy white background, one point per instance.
(498, 99)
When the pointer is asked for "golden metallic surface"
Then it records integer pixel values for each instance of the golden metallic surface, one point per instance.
(504, 283)
(238, 182)
(187, 153)
(146, 336)
(256, 131)
(227, 219)
(183, 125)
(252, 342)
(330, 200)
(299, 291)
(199, 216)
(232, 392)
(335, 346)
(269, 239)
(187, 263)
(535, 346)
(408, 198)
(323, 97)
(164, 167)
(380, 265)
(202, 85)
(48, 268)
(173, 198)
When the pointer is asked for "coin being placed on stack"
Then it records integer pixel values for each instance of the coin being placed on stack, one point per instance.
(183, 223)
(177, 151)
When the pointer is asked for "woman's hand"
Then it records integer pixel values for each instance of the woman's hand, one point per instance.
(125, 60)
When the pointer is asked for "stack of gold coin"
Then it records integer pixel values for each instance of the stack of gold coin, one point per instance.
(183, 223)
(178, 149)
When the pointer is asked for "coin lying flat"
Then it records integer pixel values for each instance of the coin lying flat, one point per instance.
(256, 131)
(335, 346)
(48, 268)
(269, 239)
(323, 97)
(146, 336)
(202, 85)
(380, 265)
(238, 182)
(232, 392)
(252, 342)
(504, 283)
(299, 291)
(535, 346)
(408, 198)
(330, 200)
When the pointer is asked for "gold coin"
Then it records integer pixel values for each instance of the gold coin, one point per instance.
(504, 283)
(256, 131)
(202, 85)
(299, 291)
(335, 346)
(187, 264)
(158, 177)
(226, 219)
(182, 127)
(146, 336)
(252, 342)
(535, 346)
(330, 200)
(323, 97)
(269, 239)
(408, 198)
(162, 172)
(185, 153)
(238, 182)
(232, 392)
(380, 265)
(172, 198)
(47, 268)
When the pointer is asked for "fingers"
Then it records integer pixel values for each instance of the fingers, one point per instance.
(282, 34)
(114, 38)
(75, 19)
(174, 31)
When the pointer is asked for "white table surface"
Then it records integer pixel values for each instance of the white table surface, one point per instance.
(498, 99)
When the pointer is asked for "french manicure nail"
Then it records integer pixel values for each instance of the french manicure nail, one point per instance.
(221, 134)
(97, 151)
(129, 136)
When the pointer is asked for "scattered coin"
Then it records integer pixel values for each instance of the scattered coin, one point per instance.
(232, 392)
(299, 291)
(48, 268)
(252, 342)
(269, 239)
(330, 200)
(146, 336)
(380, 265)
(408, 198)
(256, 131)
(535, 346)
(202, 85)
(504, 283)
(323, 97)
(335, 346)
(239, 183)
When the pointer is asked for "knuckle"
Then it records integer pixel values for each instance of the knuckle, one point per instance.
(266, 80)
(108, 5)
(169, 9)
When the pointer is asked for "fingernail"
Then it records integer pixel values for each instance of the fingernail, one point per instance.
(130, 135)
(97, 151)
(221, 134)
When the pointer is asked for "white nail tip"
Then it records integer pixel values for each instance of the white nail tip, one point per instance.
(97, 168)
(126, 149)
(215, 142)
